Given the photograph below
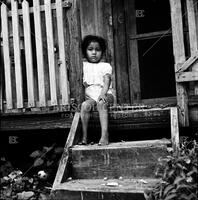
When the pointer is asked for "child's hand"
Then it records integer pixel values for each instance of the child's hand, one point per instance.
(85, 84)
(102, 97)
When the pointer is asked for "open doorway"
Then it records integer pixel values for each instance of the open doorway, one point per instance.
(150, 50)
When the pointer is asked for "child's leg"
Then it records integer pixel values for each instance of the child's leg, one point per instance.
(103, 115)
(85, 115)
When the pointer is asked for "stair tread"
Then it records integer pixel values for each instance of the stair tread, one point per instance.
(116, 145)
(102, 185)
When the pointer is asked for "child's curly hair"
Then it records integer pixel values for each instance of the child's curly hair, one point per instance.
(93, 38)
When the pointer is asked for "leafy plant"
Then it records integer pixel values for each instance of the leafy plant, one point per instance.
(179, 176)
(30, 185)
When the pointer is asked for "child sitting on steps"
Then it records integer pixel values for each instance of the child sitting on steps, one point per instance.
(97, 83)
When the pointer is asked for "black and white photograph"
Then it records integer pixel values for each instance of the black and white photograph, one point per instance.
(99, 99)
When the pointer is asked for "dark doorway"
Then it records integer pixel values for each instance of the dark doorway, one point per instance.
(150, 50)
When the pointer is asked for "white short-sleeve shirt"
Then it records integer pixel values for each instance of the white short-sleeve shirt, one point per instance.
(93, 75)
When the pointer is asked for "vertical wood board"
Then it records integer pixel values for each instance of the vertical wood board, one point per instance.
(39, 53)
(179, 55)
(50, 50)
(28, 54)
(17, 53)
(62, 57)
(6, 56)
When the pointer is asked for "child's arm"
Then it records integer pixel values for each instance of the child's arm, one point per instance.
(107, 82)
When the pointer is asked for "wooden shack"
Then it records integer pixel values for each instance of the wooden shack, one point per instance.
(153, 49)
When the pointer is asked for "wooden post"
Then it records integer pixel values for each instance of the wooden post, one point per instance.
(179, 55)
(193, 34)
(174, 128)
(121, 75)
(75, 74)
(134, 73)
(108, 23)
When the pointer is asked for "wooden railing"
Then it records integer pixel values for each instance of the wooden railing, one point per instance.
(181, 64)
(35, 56)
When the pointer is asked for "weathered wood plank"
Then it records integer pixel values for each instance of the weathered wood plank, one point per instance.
(50, 49)
(182, 67)
(155, 34)
(64, 84)
(98, 189)
(64, 162)
(134, 73)
(122, 76)
(174, 128)
(6, 56)
(179, 55)
(66, 4)
(36, 122)
(28, 54)
(75, 64)
(112, 162)
(126, 186)
(94, 24)
(39, 53)
(193, 35)
(108, 23)
(17, 54)
(187, 76)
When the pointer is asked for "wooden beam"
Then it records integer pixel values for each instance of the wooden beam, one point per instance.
(36, 121)
(174, 128)
(186, 76)
(64, 162)
(193, 35)
(188, 63)
(108, 22)
(133, 62)
(121, 71)
(76, 64)
(66, 4)
(179, 55)
(155, 34)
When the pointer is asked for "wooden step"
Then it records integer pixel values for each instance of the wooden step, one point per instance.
(126, 159)
(100, 189)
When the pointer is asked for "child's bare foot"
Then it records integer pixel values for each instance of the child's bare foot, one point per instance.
(103, 142)
(83, 142)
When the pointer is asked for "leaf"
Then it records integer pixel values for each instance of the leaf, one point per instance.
(184, 197)
(168, 189)
(184, 186)
(172, 196)
(38, 162)
(50, 162)
(178, 180)
(35, 154)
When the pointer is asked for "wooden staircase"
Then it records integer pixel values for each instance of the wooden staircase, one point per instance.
(120, 170)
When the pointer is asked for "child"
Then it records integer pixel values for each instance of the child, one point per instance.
(97, 83)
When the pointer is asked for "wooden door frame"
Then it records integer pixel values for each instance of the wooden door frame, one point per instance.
(134, 73)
